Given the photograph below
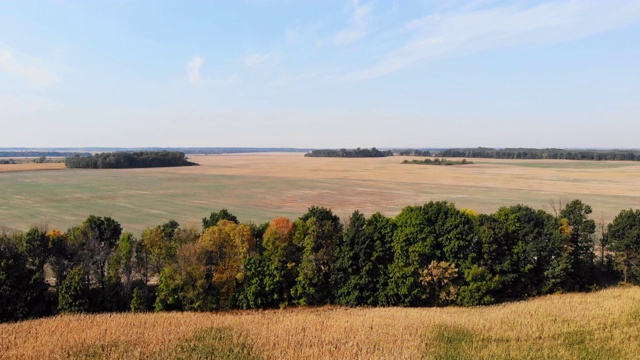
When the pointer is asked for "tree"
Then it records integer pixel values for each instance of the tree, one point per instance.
(207, 272)
(624, 235)
(525, 249)
(363, 260)
(121, 270)
(159, 250)
(37, 248)
(61, 257)
(580, 242)
(436, 231)
(351, 259)
(438, 279)
(73, 296)
(22, 287)
(97, 237)
(280, 258)
(481, 287)
(215, 217)
(318, 233)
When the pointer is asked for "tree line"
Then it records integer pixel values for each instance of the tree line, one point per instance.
(39, 153)
(524, 153)
(437, 161)
(428, 255)
(412, 152)
(124, 160)
(349, 153)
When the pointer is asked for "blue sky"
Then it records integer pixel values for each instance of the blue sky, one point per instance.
(268, 73)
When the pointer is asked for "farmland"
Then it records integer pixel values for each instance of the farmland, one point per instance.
(600, 325)
(259, 187)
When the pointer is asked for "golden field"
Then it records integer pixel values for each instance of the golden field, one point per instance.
(600, 325)
(260, 187)
(19, 167)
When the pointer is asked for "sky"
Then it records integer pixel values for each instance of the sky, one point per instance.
(320, 73)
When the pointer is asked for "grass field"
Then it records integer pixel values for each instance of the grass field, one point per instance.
(259, 187)
(601, 325)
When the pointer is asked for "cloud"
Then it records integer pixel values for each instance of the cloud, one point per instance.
(464, 32)
(193, 69)
(258, 59)
(28, 68)
(358, 25)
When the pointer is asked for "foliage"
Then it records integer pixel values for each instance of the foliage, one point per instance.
(525, 153)
(413, 152)
(318, 233)
(436, 231)
(353, 153)
(438, 161)
(481, 287)
(74, 292)
(215, 217)
(624, 234)
(432, 254)
(22, 287)
(270, 275)
(580, 242)
(127, 160)
(363, 260)
(439, 278)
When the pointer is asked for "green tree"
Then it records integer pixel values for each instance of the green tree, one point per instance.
(157, 249)
(436, 231)
(318, 233)
(215, 217)
(120, 276)
(363, 259)
(22, 287)
(74, 292)
(270, 275)
(94, 241)
(624, 235)
(61, 258)
(525, 249)
(580, 243)
(480, 287)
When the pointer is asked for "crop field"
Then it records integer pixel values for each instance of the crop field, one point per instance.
(600, 325)
(30, 166)
(259, 187)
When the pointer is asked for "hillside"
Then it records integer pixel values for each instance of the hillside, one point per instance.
(600, 325)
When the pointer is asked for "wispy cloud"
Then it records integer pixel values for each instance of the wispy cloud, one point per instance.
(464, 32)
(258, 59)
(28, 68)
(358, 24)
(193, 69)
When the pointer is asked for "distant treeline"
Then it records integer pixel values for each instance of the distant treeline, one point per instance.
(524, 153)
(19, 154)
(125, 160)
(428, 255)
(437, 161)
(349, 153)
(85, 151)
(412, 152)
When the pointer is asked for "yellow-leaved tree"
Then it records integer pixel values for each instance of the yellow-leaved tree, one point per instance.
(225, 247)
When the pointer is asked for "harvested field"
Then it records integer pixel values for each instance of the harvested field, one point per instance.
(259, 187)
(601, 325)
(5, 168)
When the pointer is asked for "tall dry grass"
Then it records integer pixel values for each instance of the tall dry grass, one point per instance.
(599, 325)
